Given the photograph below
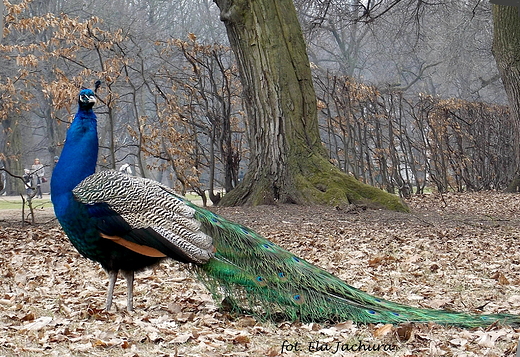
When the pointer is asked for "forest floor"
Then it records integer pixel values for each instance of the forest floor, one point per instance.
(455, 251)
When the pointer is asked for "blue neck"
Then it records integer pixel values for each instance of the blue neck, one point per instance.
(79, 156)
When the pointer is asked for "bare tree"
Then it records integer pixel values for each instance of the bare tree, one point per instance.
(287, 161)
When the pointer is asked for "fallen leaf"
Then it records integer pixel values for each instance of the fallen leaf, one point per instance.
(241, 339)
(404, 332)
(383, 330)
(38, 324)
(183, 338)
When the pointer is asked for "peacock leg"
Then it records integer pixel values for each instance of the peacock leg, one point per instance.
(112, 277)
(129, 276)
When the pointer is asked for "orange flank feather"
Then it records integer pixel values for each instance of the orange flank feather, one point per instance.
(138, 248)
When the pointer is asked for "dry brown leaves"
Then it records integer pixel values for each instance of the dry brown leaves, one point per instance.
(455, 251)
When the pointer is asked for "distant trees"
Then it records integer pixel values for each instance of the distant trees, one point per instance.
(170, 108)
(402, 143)
(440, 48)
(198, 127)
(171, 104)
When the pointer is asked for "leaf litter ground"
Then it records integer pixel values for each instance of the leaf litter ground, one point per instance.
(455, 251)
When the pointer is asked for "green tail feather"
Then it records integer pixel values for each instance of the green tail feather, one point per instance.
(255, 275)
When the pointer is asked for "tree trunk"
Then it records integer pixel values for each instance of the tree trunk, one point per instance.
(12, 148)
(2, 6)
(506, 49)
(288, 163)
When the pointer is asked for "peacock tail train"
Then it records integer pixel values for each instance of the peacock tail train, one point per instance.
(256, 275)
(128, 223)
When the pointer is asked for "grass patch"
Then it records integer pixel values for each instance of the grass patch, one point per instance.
(17, 203)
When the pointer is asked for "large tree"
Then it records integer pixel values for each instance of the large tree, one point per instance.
(506, 49)
(288, 163)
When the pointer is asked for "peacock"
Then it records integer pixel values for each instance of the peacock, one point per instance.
(128, 223)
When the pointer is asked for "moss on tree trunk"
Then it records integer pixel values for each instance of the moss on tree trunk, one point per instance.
(288, 163)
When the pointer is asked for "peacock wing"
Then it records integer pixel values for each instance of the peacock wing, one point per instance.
(145, 216)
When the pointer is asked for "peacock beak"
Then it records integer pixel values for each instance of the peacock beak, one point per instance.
(88, 99)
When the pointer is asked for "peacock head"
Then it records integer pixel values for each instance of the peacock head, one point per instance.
(86, 99)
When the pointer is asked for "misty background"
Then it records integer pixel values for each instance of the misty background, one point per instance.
(409, 98)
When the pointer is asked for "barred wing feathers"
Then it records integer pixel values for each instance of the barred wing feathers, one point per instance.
(144, 216)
